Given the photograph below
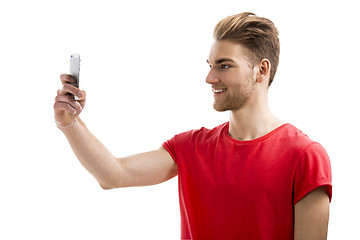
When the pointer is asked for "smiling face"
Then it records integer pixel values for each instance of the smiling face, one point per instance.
(231, 75)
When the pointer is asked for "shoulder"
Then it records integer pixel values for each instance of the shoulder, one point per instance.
(196, 137)
(310, 156)
(297, 145)
(296, 139)
(201, 133)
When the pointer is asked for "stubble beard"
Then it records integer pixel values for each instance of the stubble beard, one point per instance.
(236, 100)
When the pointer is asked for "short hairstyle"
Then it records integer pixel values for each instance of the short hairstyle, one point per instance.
(259, 35)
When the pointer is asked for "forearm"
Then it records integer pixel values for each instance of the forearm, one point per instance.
(92, 154)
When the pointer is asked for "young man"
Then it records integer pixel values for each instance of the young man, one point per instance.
(253, 177)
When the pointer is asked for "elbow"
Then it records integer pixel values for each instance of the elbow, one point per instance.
(105, 187)
(110, 185)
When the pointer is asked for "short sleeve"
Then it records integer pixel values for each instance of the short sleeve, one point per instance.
(169, 146)
(180, 143)
(313, 170)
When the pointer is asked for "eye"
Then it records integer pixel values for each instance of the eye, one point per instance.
(224, 66)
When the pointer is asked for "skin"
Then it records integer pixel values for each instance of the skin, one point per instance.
(312, 216)
(138, 170)
(250, 117)
(245, 97)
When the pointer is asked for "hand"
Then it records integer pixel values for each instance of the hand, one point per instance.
(66, 108)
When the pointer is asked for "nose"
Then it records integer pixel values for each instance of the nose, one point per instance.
(212, 78)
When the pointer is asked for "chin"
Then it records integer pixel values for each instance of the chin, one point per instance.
(227, 107)
(220, 108)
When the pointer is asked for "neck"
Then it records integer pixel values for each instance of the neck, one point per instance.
(251, 122)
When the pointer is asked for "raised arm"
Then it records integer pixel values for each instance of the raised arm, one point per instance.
(138, 170)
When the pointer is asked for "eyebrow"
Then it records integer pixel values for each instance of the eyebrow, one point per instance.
(221, 60)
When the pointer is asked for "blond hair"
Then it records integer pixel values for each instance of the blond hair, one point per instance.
(259, 35)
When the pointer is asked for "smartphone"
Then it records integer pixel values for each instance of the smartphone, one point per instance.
(75, 68)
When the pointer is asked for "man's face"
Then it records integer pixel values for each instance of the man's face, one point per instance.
(231, 75)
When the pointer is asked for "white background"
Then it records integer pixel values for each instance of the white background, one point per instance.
(144, 67)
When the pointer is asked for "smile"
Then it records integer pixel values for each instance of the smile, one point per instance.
(218, 90)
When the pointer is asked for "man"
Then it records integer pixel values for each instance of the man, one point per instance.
(253, 177)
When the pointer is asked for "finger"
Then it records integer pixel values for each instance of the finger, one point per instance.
(68, 88)
(67, 78)
(63, 106)
(67, 99)
(70, 101)
(82, 99)
(81, 94)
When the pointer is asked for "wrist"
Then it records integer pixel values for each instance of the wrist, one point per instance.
(61, 126)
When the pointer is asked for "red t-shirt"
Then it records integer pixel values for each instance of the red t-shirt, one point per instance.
(230, 189)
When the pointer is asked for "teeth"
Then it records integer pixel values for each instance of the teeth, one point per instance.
(219, 90)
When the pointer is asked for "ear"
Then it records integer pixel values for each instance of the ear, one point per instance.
(264, 71)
